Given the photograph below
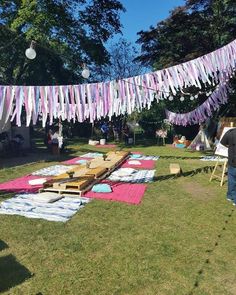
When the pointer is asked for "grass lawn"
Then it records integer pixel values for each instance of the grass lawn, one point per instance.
(180, 240)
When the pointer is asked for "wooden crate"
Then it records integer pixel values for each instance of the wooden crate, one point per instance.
(175, 168)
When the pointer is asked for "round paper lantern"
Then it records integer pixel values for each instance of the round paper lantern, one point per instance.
(85, 73)
(30, 53)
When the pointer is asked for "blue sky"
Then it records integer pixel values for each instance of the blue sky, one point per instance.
(141, 14)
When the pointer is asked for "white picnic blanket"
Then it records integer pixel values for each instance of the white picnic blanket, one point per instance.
(61, 210)
(139, 176)
(54, 170)
(92, 155)
(213, 158)
(143, 157)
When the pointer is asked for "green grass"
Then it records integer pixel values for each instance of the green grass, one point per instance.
(172, 243)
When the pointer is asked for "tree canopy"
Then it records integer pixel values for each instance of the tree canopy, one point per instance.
(68, 33)
(192, 30)
(197, 28)
(122, 61)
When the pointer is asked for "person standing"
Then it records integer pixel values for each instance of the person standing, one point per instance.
(105, 130)
(126, 132)
(229, 141)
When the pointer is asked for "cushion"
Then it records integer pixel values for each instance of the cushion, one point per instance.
(37, 181)
(101, 188)
(180, 145)
(81, 161)
(134, 162)
(124, 172)
(45, 197)
(135, 156)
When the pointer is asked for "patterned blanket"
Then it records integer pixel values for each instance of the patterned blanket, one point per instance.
(143, 157)
(53, 170)
(213, 158)
(139, 176)
(92, 155)
(61, 210)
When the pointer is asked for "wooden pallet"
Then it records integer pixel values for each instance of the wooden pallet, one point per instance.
(69, 186)
(74, 183)
(71, 191)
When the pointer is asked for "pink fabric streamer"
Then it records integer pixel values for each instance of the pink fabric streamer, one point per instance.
(97, 100)
(203, 112)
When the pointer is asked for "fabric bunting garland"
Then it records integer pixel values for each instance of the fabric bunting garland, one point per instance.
(204, 111)
(96, 100)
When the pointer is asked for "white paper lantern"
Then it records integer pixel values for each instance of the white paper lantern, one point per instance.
(30, 53)
(171, 98)
(85, 73)
(182, 98)
(191, 97)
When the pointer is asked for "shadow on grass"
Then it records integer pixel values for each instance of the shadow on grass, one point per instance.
(6, 195)
(3, 245)
(179, 157)
(12, 273)
(210, 252)
(191, 173)
(37, 156)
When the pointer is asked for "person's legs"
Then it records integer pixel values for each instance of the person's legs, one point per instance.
(231, 194)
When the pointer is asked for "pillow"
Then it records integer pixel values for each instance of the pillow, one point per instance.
(45, 197)
(134, 162)
(135, 156)
(37, 181)
(81, 161)
(180, 145)
(124, 172)
(101, 188)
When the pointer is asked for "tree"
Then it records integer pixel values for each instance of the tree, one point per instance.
(122, 62)
(197, 28)
(67, 33)
(190, 31)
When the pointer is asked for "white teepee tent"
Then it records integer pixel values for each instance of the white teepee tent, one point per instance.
(200, 142)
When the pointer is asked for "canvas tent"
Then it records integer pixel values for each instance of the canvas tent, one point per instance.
(200, 142)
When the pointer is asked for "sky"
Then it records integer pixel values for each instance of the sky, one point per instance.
(141, 14)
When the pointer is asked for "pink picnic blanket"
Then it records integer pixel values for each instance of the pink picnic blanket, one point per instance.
(131, 193)
(21, 184)
(74, 161)
(145, 164)
(106, 145)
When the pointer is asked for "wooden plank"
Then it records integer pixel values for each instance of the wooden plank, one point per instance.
(222, 176)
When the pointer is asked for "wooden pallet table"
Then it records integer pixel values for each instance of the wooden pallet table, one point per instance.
(80, 179)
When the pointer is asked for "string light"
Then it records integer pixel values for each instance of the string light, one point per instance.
(170, 98)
